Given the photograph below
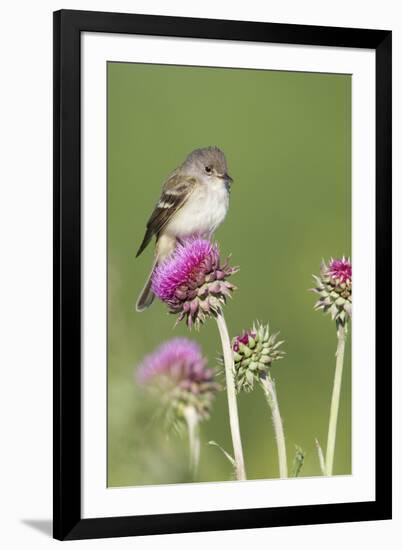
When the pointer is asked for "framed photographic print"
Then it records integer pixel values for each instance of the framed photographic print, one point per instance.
(214, 183)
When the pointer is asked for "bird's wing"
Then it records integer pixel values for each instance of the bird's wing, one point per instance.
(175, 193)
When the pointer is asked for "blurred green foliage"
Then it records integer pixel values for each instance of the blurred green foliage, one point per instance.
(287, 138)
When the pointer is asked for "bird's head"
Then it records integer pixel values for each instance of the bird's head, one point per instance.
(208, 165)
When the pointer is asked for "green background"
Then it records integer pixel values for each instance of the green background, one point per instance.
(287, 139)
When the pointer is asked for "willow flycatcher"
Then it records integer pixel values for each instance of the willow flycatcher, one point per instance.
(194, 201)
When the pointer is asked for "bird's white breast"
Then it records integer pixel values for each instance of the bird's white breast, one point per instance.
(204, 210)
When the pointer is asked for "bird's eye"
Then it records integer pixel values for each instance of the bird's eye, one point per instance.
(208, 169)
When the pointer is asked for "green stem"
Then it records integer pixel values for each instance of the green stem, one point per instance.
(231, 393)
(268, 386)
(191, 417)
(336, 392)
(320, 457)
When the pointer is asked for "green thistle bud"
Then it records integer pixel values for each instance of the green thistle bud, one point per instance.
(334, 287)
(253, 353)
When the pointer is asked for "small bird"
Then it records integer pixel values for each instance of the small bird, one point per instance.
(194, 201)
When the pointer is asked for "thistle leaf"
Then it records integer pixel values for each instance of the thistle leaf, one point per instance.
(298, 461)
(228, 456)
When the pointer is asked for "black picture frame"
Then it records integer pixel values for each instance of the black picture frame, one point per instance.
(68, 26)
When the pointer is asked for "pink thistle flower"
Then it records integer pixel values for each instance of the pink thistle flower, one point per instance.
(340, 270)
(179, 371)
(178, 358)
(243, 339)
(334, 288)
(192, 281)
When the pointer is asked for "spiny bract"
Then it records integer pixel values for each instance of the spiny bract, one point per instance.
(253, 354)
(334, 287)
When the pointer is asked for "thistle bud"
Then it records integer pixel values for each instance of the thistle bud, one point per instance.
(254, 352)
(334, 287)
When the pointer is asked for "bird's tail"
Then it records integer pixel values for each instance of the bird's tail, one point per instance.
(165, 245)
(146, 296)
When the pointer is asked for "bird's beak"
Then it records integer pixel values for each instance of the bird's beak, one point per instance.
(226, 178)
